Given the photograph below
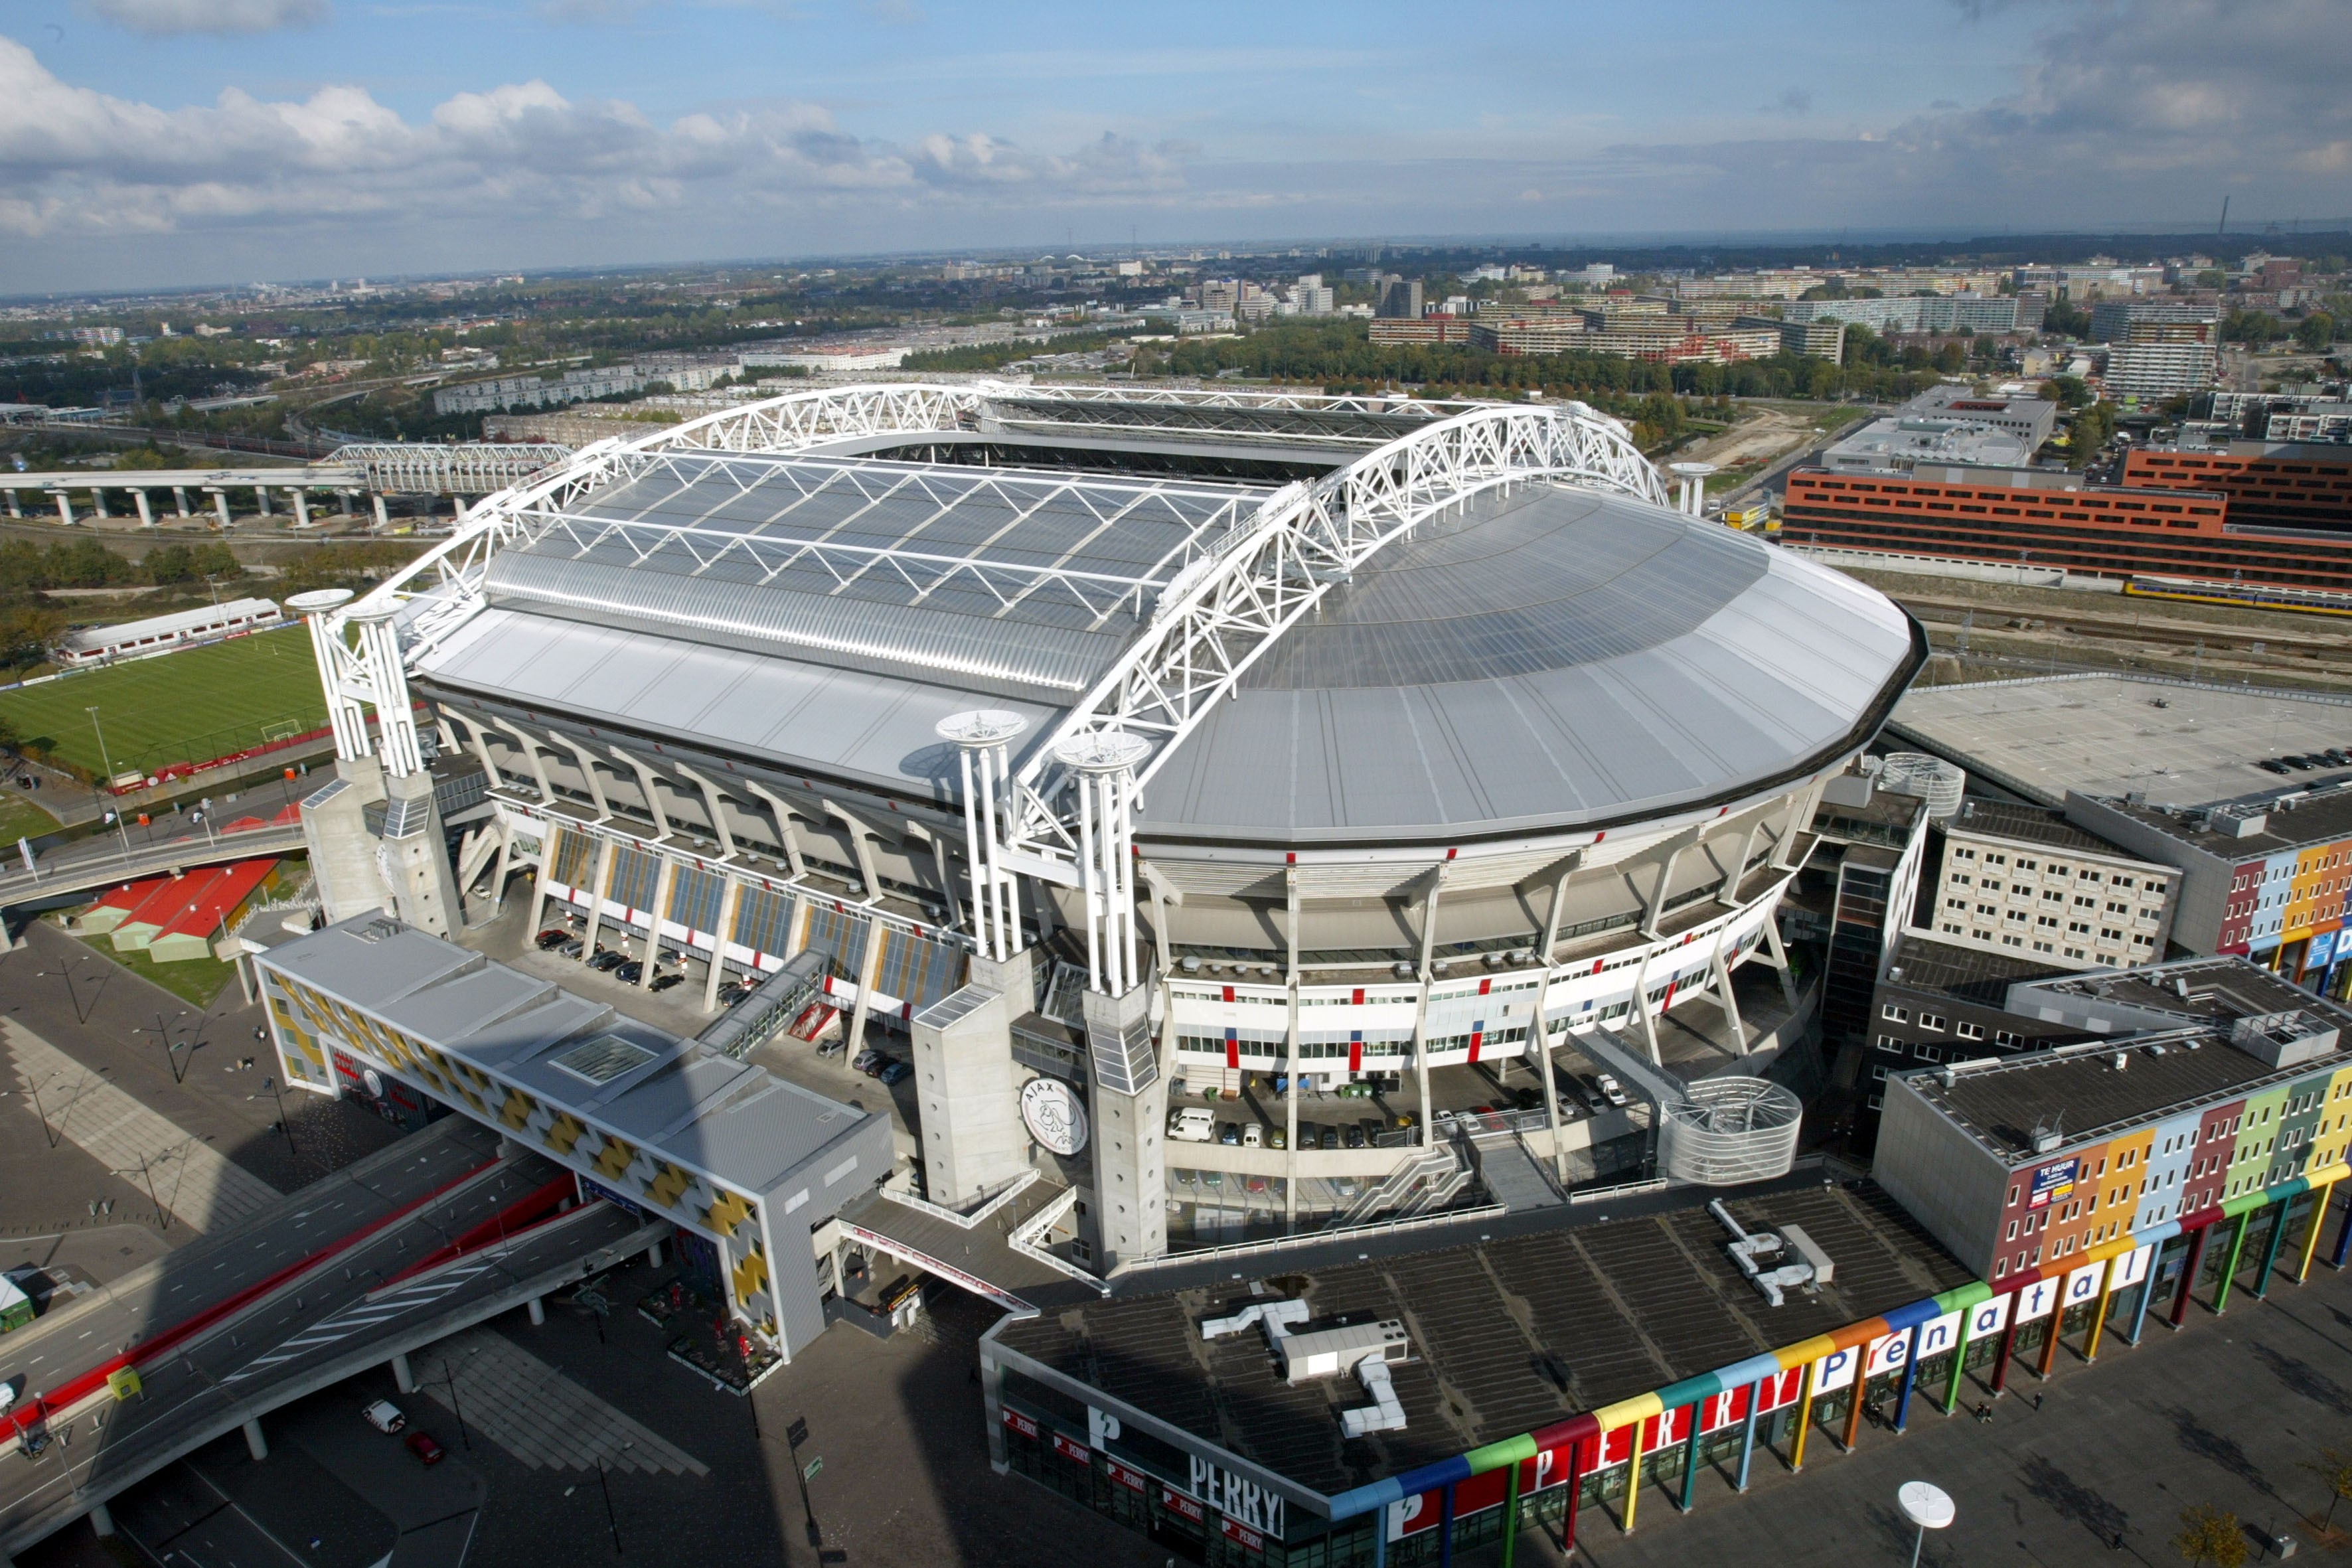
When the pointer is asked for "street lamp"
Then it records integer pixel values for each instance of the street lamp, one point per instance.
(1926, 1506)
(119, 825)
(271, 1084)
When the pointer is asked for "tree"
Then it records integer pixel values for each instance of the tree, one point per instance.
(2334, 1467)
(2092, 427)
(2316, 331)
(2067, 391)
(2210, 1534)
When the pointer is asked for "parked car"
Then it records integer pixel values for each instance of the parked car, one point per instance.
(1592, 1095)
(867, 1060)
(1256, 1184)
(664, 982)
(1329, 1138)
(1372, 1129)
(629, 972)
(1354, 1136)
(1254, 1136)
(606, 960)
(1191, 1124)
(553, 936)
(733, 992)
(1611, 1090)
(1229, 1134)
(1277, 1138)
(569, 948)
(384, 1417)
(894, 1069)
(2273, 765)
(831, 1046)
(669, 956)
(428, 1452)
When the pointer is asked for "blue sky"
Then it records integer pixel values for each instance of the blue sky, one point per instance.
(156, 142)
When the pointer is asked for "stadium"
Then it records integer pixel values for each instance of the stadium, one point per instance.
(1113, 754)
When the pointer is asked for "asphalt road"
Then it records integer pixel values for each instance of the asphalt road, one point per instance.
(305, 1319)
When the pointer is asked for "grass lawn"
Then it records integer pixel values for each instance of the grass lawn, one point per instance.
(20, 818)
(191, 706)
(196, 981)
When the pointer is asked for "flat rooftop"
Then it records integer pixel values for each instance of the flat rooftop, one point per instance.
(2181, 743)
(1963, 973)
(1506, 1335)
(1902, 443)
(2031, 824)
(2211, 991)
(739, 1124)
(2308, 817)
(1999, 1100)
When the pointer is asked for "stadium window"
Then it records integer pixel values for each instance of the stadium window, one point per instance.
(1969, 1031)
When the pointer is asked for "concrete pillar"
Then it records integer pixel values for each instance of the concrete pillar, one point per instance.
(537, 1310)
(869, 966)
(301, 509)
(15, 506)
(342, 504)
(729, 902)
(403, 1378)
(596, 901)
(180, 499)
(1129, 1156)
(98, 501)
(146, 510)
(663, 882)
(65, 509)
(101, 1519)
(261, 499)
(654, 1256)
(255, 1443)
(968, 1096)
(220, 505)
(383, 519)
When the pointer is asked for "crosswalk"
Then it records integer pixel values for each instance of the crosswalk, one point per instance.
(202, 1188)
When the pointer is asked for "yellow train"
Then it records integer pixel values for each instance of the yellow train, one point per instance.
(2243, 595)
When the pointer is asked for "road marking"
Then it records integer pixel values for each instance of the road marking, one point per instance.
(536, 1414)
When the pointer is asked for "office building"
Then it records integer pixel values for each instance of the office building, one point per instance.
(2023, 880)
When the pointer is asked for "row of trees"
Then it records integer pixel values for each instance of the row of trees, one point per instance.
(29, 568)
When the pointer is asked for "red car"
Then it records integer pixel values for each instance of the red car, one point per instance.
(427, 1450)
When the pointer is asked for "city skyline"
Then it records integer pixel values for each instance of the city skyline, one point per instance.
(162, 142)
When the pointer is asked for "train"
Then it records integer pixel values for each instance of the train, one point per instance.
(2243, 596)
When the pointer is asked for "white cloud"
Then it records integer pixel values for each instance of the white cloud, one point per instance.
(74, 161)
(170, 17)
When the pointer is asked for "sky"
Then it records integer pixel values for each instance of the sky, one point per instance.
(185, 142)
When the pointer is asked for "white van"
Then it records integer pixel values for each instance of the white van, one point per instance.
(1192, 1125)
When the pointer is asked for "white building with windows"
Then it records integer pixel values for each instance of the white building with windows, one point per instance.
(2022, 881)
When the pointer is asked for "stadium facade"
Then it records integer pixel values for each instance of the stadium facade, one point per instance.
(1111, 739)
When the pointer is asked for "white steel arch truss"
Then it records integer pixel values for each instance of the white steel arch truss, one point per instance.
(467, 468)
(1229, 602)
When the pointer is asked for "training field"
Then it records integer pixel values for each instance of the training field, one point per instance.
(184, 706)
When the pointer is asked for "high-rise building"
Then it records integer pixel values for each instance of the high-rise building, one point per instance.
(1400, 299)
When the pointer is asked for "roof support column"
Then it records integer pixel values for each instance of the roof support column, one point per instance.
(1436, 885)
(2188, 1273)
(868, 968)
(782, 813)
(530, 749)
(2230, 1267)
(605, 858)
(1290, 1038)
(1642, 1004)
(2311, 1239)
(647, 782)
(1723, 997)
(728, 903)
(1727, 894)
(543, 875)
(663, 882)
(1654, 906)
(587, 761)
(861, 848)
(1780, 959)
(715, 804)
(1801, 820)
(1542, 1024)
(1747, 1432)
(2283, 1211)
(1104, 763)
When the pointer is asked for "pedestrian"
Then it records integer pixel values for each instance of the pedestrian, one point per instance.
(2037, 1402)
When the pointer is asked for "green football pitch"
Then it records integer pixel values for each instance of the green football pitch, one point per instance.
(187, 707)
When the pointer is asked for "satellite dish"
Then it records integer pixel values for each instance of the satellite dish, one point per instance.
(1926, 1506)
